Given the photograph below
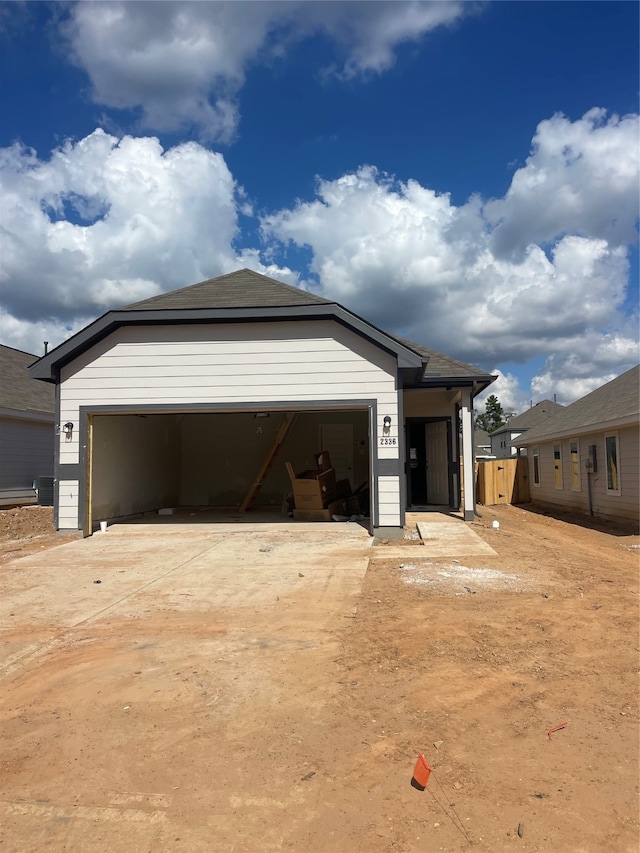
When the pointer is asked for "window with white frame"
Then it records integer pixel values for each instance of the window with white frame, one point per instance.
(536, 466)
(557, 466)
(574, 449)
(612, 460)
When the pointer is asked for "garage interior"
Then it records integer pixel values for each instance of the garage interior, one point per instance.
(145, 462)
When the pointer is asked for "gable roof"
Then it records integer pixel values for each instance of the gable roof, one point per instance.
(244, 296)
(615, 404)
(241, 289)
(532, 418)
(18, 391)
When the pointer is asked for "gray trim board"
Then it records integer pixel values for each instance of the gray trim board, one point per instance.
(402, 450)
(47, 367)
(265, 406)
(389, 467)
(478, 383)
(70, 471)
(374, 512)
(56, 460)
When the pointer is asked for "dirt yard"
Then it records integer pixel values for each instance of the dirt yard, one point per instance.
(471, 661)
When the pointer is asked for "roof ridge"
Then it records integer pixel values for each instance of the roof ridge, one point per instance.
(184, 292)
(619, 396)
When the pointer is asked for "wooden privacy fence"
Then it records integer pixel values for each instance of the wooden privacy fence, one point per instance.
(502, 481)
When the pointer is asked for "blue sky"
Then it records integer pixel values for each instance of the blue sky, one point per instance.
(465, 174)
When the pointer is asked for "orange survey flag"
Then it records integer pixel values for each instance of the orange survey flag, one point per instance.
(421, 773)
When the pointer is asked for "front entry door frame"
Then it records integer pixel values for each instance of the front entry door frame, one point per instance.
(413, 500)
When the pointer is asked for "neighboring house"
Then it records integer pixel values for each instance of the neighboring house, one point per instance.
(481, 444)
(586, 457)
(175, 401)
(26, 428)
(503, 444)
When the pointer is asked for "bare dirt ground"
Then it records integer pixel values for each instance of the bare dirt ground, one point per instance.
(27, 530)
(471, 661)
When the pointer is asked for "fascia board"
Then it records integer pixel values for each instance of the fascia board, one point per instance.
(478, 383)
(47, 367)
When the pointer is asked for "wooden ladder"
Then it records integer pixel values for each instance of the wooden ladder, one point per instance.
(283, 429)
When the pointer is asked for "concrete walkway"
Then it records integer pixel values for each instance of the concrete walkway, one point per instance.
(441, 535)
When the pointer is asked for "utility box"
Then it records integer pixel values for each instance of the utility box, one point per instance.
(45, 491)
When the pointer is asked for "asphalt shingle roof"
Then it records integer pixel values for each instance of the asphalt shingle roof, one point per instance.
(617, 400)
(241, 289)
(440, 364)
(533, 417)
(17, 389)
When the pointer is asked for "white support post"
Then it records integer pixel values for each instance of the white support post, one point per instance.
(468, 484)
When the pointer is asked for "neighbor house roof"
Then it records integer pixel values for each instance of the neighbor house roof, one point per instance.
(532, 418)
(245, 295)
(18, 391)
(481, 440)
(615, 404)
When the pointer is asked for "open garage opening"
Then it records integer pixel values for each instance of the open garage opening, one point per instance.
(140, 464)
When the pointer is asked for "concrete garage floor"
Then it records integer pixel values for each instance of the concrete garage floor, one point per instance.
(137, 711)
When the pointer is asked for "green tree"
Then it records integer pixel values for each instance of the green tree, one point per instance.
(494, 415)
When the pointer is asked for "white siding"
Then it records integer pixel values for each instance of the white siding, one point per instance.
(232, 365)
(68, 504)
(388, 507)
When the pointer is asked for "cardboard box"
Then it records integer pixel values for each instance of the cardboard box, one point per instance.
(344, 507)
(312, 514)
(312, 489)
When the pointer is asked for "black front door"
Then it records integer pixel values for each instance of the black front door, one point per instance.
(429, 467)
(417, 464)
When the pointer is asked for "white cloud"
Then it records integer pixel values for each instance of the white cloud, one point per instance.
(591, 361)
(106, 222)
(411, 261)
(369, 33)
(581, 178)
(183, 64)
(508, 391)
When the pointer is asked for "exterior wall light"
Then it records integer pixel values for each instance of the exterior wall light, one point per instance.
(68, 430)
(386, 423)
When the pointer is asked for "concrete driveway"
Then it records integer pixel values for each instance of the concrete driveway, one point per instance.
(162, 688)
